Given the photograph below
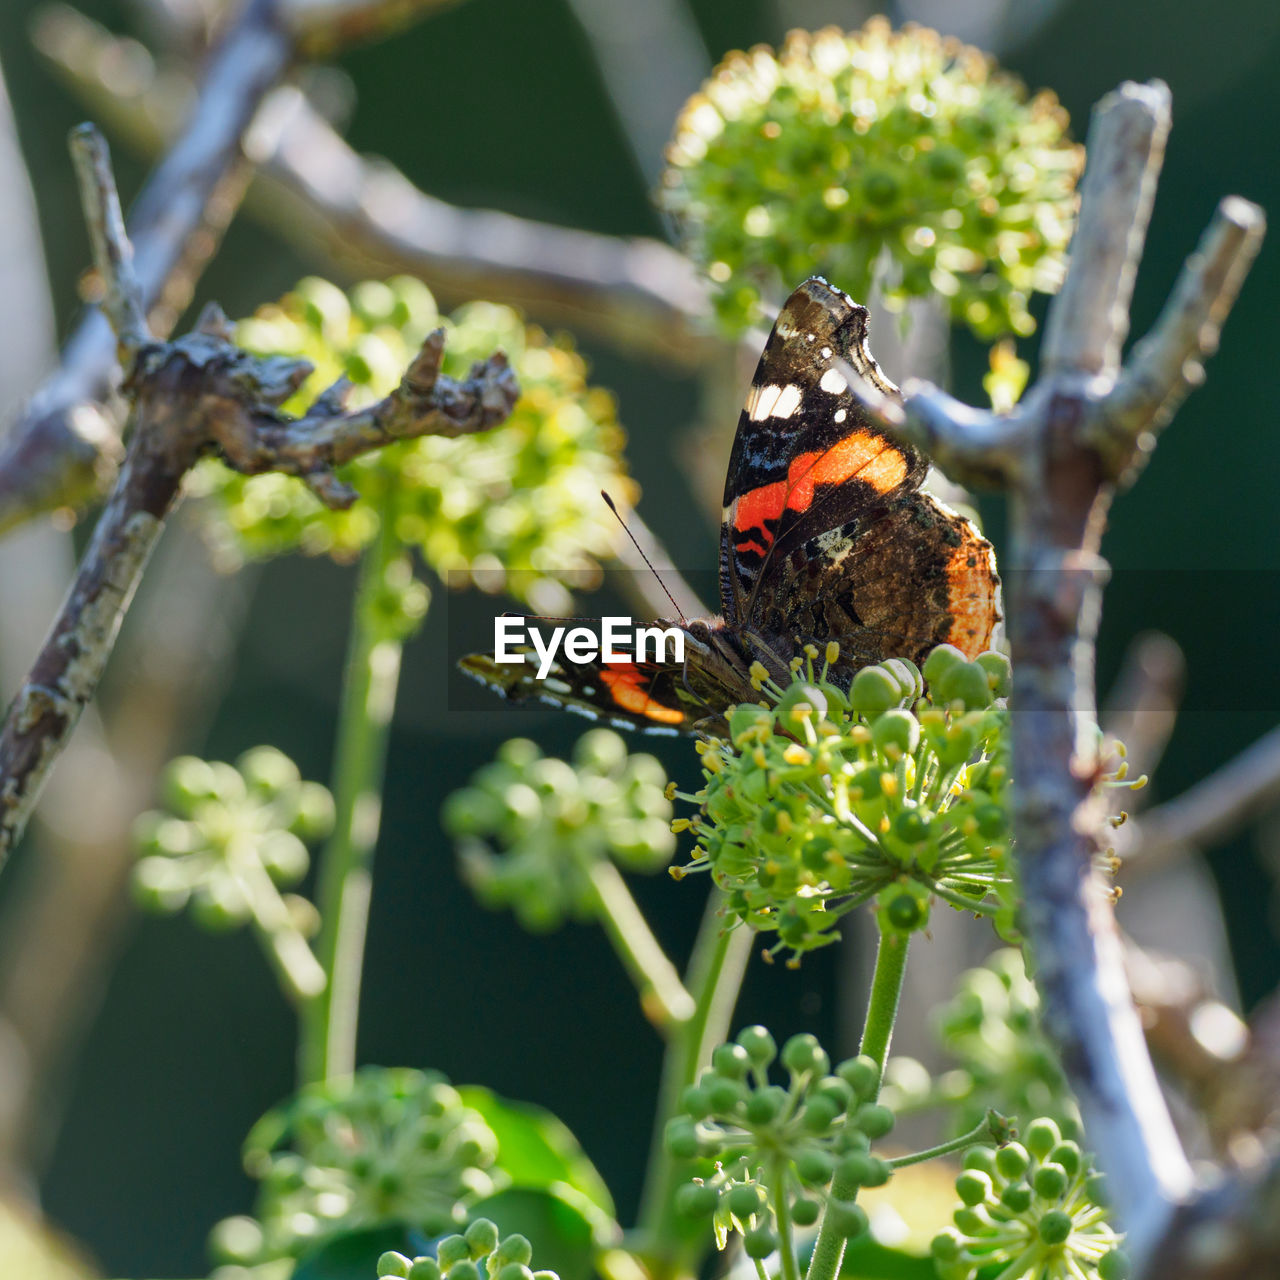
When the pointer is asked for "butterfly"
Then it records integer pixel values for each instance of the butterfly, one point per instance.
(826, 536)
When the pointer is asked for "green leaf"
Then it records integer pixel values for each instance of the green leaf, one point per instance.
(354, 1255)
(564, 1227)
(537, 1150)
(865, 1259)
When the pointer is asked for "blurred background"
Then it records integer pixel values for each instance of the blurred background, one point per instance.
(558, 110)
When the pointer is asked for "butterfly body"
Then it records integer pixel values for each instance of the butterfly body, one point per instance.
(826, 536)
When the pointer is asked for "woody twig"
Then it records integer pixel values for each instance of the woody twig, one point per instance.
(197, 395)
(65, 445)
(1083, 430)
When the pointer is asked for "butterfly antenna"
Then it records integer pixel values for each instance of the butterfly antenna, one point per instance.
(610, 504)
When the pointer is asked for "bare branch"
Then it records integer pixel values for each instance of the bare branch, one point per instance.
(65, 445)
(1211, 810)
(190, 396)
(1049, 453)
(1090, 317)
(368, 217)
(1166, 364)
(321, 26)
(1143, 705)
(425, 403)
(112, 252)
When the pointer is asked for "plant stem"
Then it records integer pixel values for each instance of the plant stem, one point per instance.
(782, 1212)
(327, 1045)
(981, 1134)
(877, 1031)
(663, 997)
(714, 979)
(299, 973)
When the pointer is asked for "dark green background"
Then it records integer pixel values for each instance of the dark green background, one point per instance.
(497, 103)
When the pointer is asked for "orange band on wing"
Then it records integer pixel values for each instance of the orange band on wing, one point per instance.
(973, 595)
(859, 456)
(623, 683)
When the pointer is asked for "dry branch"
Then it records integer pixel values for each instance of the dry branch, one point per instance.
(65, 446)
(1085, 426)
(196, 395)
(364, 217)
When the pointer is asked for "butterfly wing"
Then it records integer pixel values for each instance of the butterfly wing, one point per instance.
(653, 697)
(826, 532)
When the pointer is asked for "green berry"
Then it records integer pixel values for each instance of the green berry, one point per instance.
(426, 1269)
(731, 1060)
(464, 1270)
(973, 1187)
(452, 1250)
(946, 1246)
(904, 912)
(1050, 1181)
(1016, 1197)
(907, 674)
(819, 1114)
(940, 661)
(897, 730)
(514, 1271)
(863, 1073)
(804, 1213)
(760, 1242)
(725, 1095)
(982, 1159)
(1114, 1265)
(748, 722)
(744, 1200)
(764, 1105)
(514, 1248)
(874, 1120)
(1068, 1155)
(1041, 1137)
(911, 826)
(999, 672)
(481, 1237)
(964, 682)
(393, 1264)
(696, 1200)
(1012, 1160)
(759, 1045)
(846, 1218)
(682, 1139)
(1054, 1226)
(815, 1167)
(873, 692)
(802, 1054)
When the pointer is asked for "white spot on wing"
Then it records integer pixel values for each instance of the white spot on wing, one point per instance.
(840, 415)
(760, 401)
(788, 401)
(834, 382)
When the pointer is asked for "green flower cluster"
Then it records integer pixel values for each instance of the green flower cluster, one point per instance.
(991, 1026)
(516, 509)
(479, 1253)
(554, 820)
(1033, 1211)
(387, 1145)
(894, 157)
(229, 837)
(823, 800)
(776, 1149)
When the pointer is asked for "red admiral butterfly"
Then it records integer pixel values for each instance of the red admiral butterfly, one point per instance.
(826, 536)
